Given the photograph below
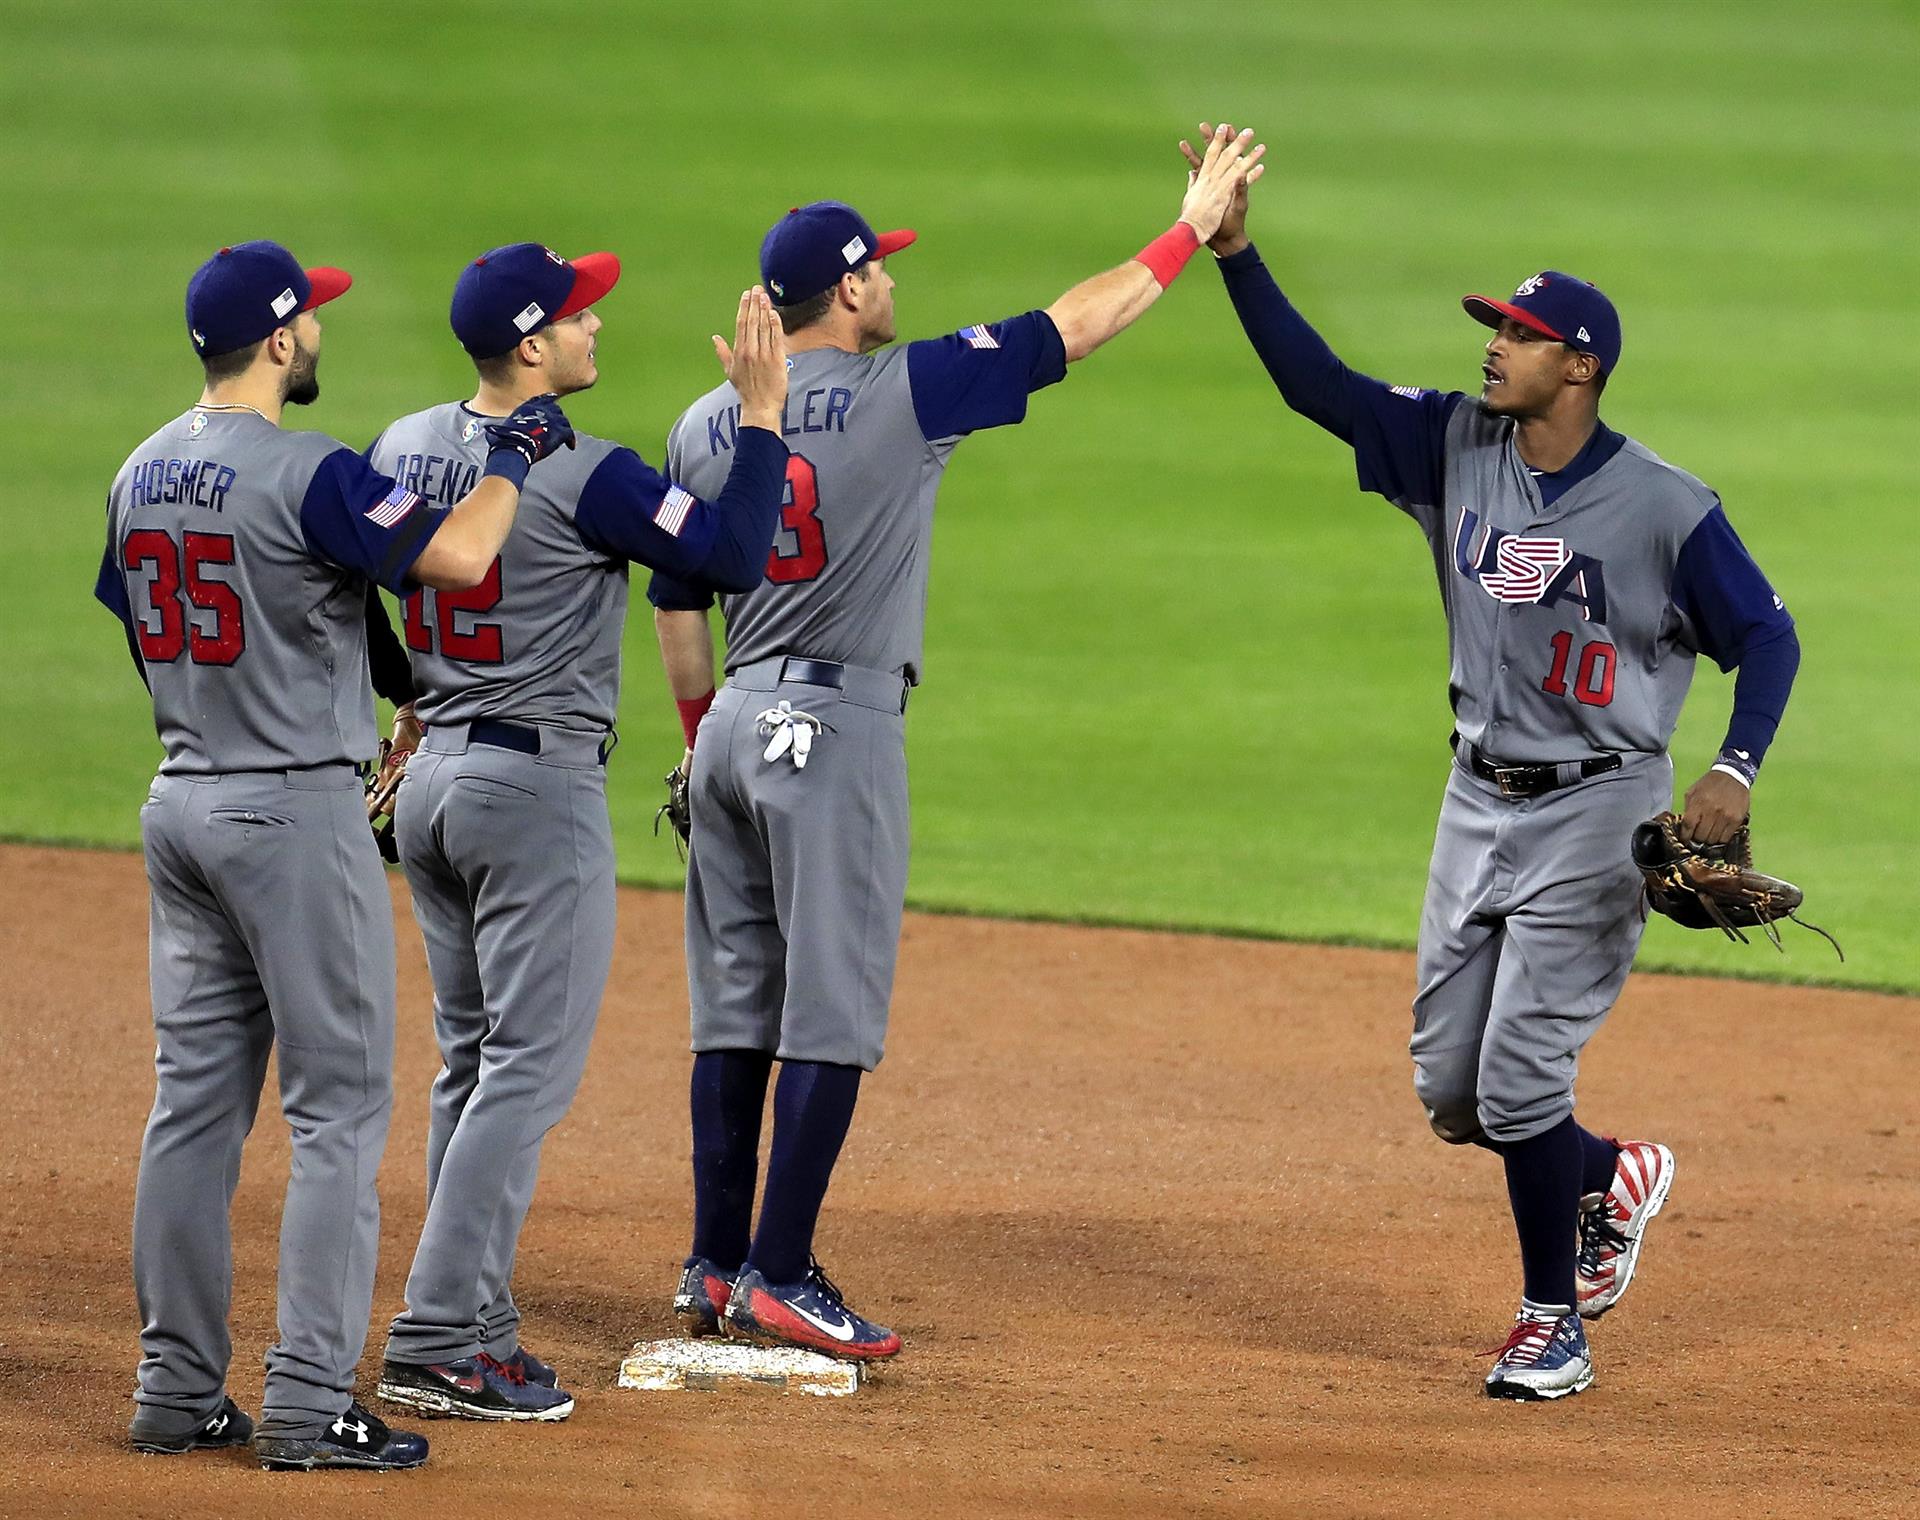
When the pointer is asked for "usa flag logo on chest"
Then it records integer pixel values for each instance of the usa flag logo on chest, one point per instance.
(1523, 568)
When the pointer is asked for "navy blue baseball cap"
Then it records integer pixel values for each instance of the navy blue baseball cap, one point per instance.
(809, 248)
(509, 292)
(1560, 307)
(243, 293)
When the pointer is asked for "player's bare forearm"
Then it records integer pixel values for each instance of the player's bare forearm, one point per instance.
(686, 650)
(1101, 308)
(465, 545)
(1098, 309)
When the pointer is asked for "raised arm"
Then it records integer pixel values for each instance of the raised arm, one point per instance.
(1098, 309)
(468, 539)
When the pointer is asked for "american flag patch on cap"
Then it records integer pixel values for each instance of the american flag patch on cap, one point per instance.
(1411, 392)
(674, 509)
(977, 336)
(395, 505)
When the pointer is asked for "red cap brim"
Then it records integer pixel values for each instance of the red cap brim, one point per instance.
(1487, 312)
(594, 274)
(327, 284)
(892, 242)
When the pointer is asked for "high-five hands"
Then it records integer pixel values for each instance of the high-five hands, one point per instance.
(756, 361)
(1229, 230)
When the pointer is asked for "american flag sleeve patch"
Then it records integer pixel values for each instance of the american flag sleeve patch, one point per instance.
(977, 336)
(392, 507)
(1411, 392)
(674, 510)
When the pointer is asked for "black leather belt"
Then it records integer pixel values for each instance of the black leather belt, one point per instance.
(813, 672)
(521, 737)
(515, 736)
(1532, 780)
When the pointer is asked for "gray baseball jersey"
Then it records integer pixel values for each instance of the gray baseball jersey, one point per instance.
(237, 559)
(845, 586)
(502, 821)
(1576, 602)
(242, 553)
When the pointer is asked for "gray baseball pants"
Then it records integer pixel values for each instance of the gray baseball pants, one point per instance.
(270, 928)
(1533, 914)
(510, 858)
(796, 879)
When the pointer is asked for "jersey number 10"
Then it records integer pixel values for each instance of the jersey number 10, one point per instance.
(1593, 678)
(461, 635)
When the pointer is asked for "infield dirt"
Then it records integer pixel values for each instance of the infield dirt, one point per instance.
(1157, 1216)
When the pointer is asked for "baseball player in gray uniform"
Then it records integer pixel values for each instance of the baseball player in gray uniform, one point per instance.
(1581, 576)
(238, 558)
(798, 864)
(502, 819)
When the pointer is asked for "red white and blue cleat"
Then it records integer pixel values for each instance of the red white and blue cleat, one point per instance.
(472, 1388)
(1613, 1225)
(528, 1368)
(702, 1296)
(811, 1314)
(1545, 1357)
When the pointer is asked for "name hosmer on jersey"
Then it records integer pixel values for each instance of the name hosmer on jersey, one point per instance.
(823, 409)
(182, 482)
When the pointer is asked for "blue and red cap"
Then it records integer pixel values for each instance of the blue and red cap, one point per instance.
(812, 246)
(509, 292)
(1560, 307)
(243, 293)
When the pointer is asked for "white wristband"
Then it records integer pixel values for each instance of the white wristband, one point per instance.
(1728, 770)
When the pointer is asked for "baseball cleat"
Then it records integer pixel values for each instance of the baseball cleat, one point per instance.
(227, 1426)
(811, 1314)
(1545, 1357)
(473, 1388)
(356, 1439)
(1613, 1224)
(702, 1295)
(530, 1369)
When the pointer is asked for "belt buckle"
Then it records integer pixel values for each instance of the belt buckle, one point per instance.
(1507, 778)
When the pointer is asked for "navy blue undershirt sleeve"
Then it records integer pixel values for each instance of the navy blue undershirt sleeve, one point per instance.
(1738, 622)
(1397, 432)
(110, 590)
(671, 595)
(629, 509)
(386, 659)
(981, 376)
(363, 520)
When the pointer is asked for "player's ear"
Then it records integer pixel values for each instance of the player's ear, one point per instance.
(531, 350)
(1584, 369)
(281, 345)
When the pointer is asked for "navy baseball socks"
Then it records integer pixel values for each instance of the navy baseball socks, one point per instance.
(769, 1289)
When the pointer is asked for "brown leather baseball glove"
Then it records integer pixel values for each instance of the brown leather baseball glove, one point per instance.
(1714, 886)
(388, 771)
(678, 808)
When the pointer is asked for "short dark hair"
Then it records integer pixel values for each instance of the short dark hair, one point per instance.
(805, 313)
(221, 368)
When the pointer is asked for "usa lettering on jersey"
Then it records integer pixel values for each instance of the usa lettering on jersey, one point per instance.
(1516, 569)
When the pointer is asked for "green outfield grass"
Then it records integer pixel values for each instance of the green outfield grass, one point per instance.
(1178, 670)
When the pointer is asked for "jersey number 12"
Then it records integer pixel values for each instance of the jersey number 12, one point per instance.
(461, 635)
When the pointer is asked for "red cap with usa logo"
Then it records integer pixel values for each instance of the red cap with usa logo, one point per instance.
(1558, 306)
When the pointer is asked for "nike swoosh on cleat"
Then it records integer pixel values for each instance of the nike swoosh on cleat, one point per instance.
(840, 1332)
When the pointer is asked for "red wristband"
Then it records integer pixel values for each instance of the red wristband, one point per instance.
(691, 712)
(1167, 254)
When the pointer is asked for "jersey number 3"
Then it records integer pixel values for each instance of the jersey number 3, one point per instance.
(462, 636)
(178, 630)
(800, 517)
